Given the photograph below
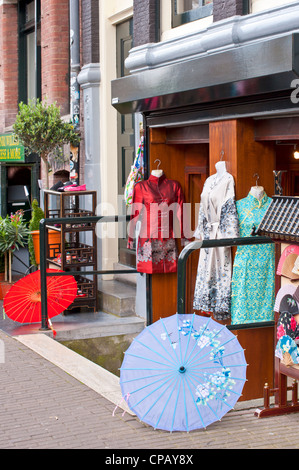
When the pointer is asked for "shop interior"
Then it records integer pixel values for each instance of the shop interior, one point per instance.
(253, 150)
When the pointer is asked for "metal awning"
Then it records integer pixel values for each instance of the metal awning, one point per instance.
(281, 220)
(260, 68)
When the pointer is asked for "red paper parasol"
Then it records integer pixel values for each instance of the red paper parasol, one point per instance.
(22, 303)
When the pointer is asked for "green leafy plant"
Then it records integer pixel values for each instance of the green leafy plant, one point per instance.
(41, 129)
(13, 235)
(37, 216)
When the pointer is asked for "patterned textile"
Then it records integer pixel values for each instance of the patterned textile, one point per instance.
(136, 173)
(284, 290)
(254, 268)
(217, 218)
(157, 203)
(287, 325)
(287, 350)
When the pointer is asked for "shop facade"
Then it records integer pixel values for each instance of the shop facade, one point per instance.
(227, 92)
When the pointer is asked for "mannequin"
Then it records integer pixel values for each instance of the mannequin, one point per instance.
(220, 168)
(257, 191)
(157, 172)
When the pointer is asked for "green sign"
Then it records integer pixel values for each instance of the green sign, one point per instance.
(10, 149)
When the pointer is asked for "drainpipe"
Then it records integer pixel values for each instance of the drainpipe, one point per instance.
(74, 85)
(35, 46)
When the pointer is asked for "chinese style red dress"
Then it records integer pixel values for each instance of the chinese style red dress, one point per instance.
(157, 203)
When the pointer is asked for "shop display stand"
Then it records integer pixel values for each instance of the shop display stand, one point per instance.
(281, 224)
(77, 249)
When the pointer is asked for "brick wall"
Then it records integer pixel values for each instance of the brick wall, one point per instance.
(146, 21)
(226, 8)
(8, 65)
(90, 32)
(55, 52)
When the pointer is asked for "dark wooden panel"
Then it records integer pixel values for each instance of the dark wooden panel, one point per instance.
(258, 344)
(277, 129)
(188, 134)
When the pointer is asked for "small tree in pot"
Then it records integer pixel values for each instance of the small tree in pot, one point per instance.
(13, 235)
(40, 128)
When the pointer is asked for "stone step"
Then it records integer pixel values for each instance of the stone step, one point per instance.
(125, 278)
(117, 297)
(95, 325)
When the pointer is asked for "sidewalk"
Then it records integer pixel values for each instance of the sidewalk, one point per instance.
(56, 403)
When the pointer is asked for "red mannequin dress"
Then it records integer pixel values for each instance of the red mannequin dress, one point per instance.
(157, 202)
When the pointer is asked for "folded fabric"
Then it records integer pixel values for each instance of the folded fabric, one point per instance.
(56, 186)
(66, 186)
(76, 188)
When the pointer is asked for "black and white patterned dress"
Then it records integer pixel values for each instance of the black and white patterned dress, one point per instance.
(217, 219)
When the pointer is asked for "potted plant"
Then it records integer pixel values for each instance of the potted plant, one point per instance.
(33, 238)
(13, 235)
(41, 129)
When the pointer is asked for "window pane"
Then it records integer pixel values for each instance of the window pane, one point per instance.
(188, 5)
(31, 75)
(30, 12)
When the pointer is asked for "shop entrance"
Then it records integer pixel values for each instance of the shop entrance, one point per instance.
(19, 185)
(184, 156)
(188, 154)
(19, 178)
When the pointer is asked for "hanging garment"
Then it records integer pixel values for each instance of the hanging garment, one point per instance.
(217, 218)
(253, 269)
(157, 202)
(136, 173)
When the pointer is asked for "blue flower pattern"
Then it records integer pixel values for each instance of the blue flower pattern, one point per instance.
(214, 385)
(252, 294)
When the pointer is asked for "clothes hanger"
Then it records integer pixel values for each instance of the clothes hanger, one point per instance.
(157, 172)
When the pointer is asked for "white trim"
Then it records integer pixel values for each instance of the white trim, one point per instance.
(221, 35)
(121, 16)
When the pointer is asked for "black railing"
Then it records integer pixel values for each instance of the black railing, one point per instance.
(44, 224)
(182, 260)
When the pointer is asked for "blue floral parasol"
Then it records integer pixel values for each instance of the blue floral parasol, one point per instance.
(183, 372)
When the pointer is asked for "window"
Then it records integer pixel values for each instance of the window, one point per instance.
(29, 50)
(184, 11)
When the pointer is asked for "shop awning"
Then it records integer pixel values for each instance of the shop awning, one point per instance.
(262, 69)
(281, 220)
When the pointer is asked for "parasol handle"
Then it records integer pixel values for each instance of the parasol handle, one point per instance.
(51, 326)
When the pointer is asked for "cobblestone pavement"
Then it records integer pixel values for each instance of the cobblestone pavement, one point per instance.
(43, 407)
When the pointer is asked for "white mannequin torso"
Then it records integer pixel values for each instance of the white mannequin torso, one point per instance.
(220, 168)
(157, 173)
(257, 192)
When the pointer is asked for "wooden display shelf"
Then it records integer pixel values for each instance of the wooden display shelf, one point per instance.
(71, 254)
